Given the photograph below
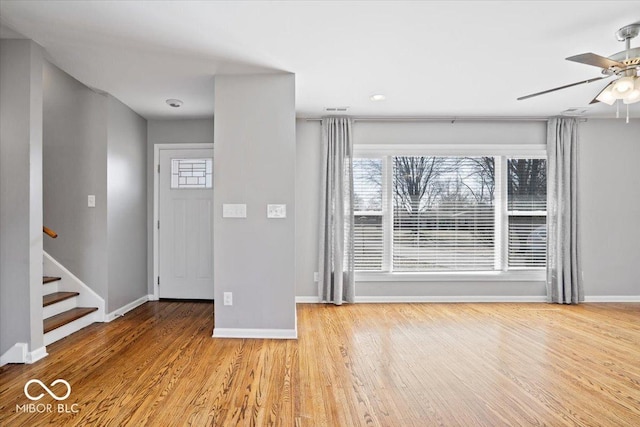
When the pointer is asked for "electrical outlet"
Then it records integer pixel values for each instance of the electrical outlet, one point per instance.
(276, 211)
(316, 276)
(228, 298)
(91, 201)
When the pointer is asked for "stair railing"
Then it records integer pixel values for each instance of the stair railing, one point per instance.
(49, 232)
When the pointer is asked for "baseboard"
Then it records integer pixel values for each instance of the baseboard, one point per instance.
(449, 299)
(308, 300)
(612, 298)
(20, 353)
(126, 308)
(16, 354)
(37, 354)
(283, 334)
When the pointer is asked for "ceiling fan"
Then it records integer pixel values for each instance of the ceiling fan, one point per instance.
(625, 66)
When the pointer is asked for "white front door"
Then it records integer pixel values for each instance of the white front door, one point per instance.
(185, 212)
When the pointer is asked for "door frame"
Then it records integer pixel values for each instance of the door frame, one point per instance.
(156, 201)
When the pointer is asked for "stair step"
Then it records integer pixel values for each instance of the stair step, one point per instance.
(49, 279)
(57, 297)
(68, 316)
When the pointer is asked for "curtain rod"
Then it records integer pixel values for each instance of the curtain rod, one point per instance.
(451, 119)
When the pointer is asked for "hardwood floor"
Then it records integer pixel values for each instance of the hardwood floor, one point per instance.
(357, 365)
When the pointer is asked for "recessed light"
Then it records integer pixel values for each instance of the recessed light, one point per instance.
(175, 103)
(377, 97)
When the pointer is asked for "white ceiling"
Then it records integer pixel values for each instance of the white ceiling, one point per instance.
(429, 58)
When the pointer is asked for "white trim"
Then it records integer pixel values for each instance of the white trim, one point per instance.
(462, 276)
(308, 300)
(16, 354)
(283, 334)
(69, 282)
(35, 355)
(387, 210)
(612, 298)
(156, 198)
(501, 220)
(368, 299)
(448, 299)
(510, 150)
(126, 308)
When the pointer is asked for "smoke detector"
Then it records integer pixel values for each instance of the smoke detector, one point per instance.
(175, 103)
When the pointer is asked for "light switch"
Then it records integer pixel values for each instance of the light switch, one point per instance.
(276, 211)
(91, 201)
(228, 298)
(234, 210)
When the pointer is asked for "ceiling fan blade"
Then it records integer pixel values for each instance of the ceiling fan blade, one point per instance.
(595, 100)
(562, 87)
(595, 60)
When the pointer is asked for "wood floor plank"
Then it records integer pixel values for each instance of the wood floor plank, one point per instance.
(355, 365)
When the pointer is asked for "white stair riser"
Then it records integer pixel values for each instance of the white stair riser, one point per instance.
(59, 307)
(50, 288)
(69, 328)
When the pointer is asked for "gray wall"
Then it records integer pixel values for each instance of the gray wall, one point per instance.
(308, 135)
(75, 165)
(308, 160)
(94, 144)
(609, 203)
(193, 131)
(477, 133)
(127, 198)
(254, 163)
(20, 194)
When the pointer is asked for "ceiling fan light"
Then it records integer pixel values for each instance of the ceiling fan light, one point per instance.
(607, 95)
(623, 85)
(632, 100)
(632, 97)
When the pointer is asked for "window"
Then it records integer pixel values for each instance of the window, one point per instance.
(191, 173)
(443, 214)
(463, 213)
(367, 206)
(527, 210)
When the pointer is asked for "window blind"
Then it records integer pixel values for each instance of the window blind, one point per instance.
(449, 213)
(368, 226)
(527, 206)
(443, 213)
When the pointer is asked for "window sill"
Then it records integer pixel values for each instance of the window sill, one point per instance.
(471, 276)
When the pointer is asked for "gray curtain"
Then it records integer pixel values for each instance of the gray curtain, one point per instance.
(564, 285)
(336, 282)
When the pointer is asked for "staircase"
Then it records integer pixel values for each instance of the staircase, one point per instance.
(65, 299)
(61, 312)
